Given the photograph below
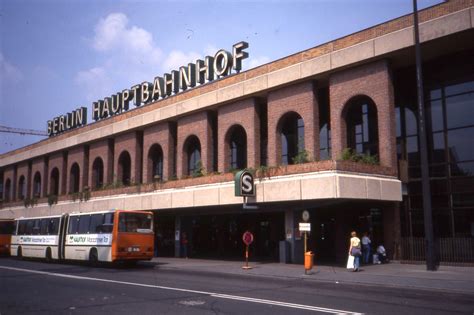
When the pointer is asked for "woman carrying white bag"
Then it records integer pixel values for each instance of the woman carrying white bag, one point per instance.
(354, 252)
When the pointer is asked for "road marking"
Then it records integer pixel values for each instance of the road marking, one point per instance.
(213, 294)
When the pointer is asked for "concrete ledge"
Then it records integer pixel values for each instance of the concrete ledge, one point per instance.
(394, 41)
(299, 187)
(445, 25)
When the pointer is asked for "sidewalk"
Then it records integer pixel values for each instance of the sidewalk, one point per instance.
(446, 278)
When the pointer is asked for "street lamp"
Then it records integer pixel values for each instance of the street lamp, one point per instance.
(425, 183)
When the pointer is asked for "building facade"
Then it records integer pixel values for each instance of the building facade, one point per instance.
(332, 130)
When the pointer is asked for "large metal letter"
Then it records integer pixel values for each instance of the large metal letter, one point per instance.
(187, 76)
(222, 63)
(239, 54)
(205, 70)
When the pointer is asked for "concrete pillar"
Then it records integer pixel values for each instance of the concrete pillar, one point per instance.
(391, 228)
(290, 232)
(177, 237)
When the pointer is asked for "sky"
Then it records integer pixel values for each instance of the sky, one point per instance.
(56, 56)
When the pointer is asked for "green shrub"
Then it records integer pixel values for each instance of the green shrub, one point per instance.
(349, 155)
(301, 157)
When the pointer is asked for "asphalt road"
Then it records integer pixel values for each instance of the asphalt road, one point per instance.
(33, 287)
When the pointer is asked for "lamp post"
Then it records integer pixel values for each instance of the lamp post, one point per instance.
(427, 212)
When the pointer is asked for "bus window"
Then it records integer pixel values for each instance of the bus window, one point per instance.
(108, 225)
(73, 224)
(44, 226)
(134, 222)
(36, 227)
(53, 226)
(96, 223)
(29, 227)
(84, 222)
(22, 227)
(7, 227)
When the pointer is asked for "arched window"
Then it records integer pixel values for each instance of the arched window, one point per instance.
(8, 189)
(192, 148)
(37, 185)
(362, 126)
(236, 141)
(74, 178)
(291, 128)
(21, 188)
(125, 168)
(54, 182)
(155, 163)
(97, 173)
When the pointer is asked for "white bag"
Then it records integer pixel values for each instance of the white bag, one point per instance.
(375, 259)
(350, 262)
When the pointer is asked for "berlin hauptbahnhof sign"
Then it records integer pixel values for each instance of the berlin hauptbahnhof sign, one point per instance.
(200, 72)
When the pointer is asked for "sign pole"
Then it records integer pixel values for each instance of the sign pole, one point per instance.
(305, 238)
(248, 239)
(247, 257)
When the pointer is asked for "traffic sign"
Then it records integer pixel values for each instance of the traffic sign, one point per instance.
(247, 237)
(305, 216)
(305, 227)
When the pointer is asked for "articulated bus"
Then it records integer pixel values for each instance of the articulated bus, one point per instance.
(106, 236)
(6, 230)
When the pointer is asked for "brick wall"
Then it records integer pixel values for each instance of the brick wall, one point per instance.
(23, 170)
(78, 155)
(374, 81)
(131, 143)
(243, 113)
(102, 150)
(199, 125)
(9, 174)
(39, 166)
(298, 98)
(57, 160)
(158, 135)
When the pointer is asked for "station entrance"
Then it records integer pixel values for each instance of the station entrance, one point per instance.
(213, 236)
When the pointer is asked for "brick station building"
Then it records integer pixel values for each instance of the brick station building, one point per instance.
(291, 122)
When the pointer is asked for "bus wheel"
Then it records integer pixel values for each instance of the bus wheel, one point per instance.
(19, 254)
(93, 256)
(48, 254)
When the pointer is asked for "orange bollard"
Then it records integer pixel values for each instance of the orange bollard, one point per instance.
(308, 261)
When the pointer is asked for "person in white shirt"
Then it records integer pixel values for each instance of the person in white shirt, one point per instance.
(382, 254)
(366, 248)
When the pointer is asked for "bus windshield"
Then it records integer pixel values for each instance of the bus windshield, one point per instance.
(7, 227)
(135, 222)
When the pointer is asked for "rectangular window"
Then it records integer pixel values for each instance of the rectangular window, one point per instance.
(435, 115)
(96, 223)
(36, 227)
(462, 169)
(460, 144)
(29, 227)
(459, 88)
(44, 226)
(135, 222)
(22, 227)
(108, 225)
(53, 226)
(84, 222)
(73, 224)
(460, 110)
(6, 227)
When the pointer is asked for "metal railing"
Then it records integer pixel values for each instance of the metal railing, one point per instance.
(448, 250)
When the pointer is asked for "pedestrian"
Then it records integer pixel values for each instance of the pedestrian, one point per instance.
(184, 244)
(382, 254)
(366, 248)
(354, 250)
